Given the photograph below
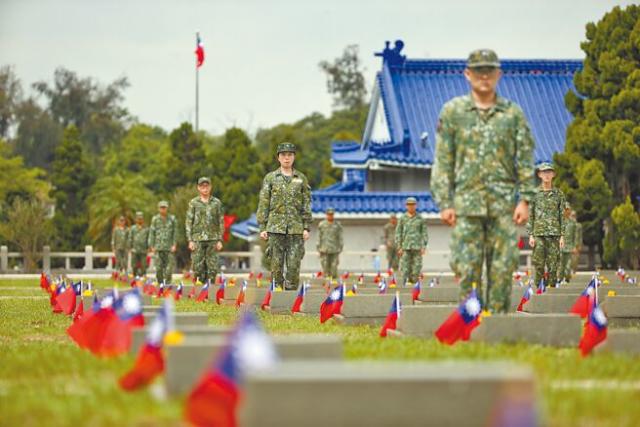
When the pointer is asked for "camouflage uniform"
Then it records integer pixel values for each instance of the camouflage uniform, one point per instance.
(139, 244)
(546, 223)
(163, 234)
(205, 227)
(412, 237)
(570, 243)
(390, 243)
(578, 242)
(329, 245)
(284, 211)
(483, 166)
(119, 242)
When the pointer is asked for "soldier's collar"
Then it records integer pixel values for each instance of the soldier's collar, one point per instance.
(294, 173)
(500, 105)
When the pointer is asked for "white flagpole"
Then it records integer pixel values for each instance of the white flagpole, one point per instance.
(197, 85)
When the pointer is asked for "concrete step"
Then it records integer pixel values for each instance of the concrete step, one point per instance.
(423, 320)
(560, 330)
(181, 318)
(139, 335)
(621, 341)
(623, 311)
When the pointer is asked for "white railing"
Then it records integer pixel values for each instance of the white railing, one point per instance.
(238, 261)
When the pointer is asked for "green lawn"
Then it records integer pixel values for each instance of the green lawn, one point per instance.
(46, 380)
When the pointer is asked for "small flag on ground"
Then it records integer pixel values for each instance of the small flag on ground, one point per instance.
(461, 322)
(392, 317)
(415, 292)
(382, 287)
(220, 293)
(204, 292)
(595, 331)
(178, 294)
(525, 297)
(241, 294)
(583, 304)
(266, 302)
(297, 303)
(542, 287)
(214, 400)
(332, 304)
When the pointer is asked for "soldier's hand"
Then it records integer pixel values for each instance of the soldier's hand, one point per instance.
(264, 235)
(173, 248)
(532, 241)
(152, 250)
(521, 213)
(219, 246)
(423, 251)
(448, 216)
(192, 245)
(561, 242)
(399, 252)
(305, 235)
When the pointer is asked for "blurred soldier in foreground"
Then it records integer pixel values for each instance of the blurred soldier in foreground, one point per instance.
(139, 245)
(330, 244)
(483, 180)
(411, 240)
(163, 234)
(284, 216)
(204, 231)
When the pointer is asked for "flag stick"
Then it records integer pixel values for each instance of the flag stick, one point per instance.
(197, 88)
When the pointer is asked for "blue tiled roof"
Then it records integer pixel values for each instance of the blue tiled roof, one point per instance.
(358, 202)
(414, 91)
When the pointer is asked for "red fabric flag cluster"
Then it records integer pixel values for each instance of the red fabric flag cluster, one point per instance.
(583, 304)
(461, 322)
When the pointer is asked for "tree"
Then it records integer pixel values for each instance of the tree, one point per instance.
(10, 96)
(345, 79)
(606, 125)
(29, 228)
(626, 225)
(178, 204)
(37, 135)
(187, 160)
(115, 195)
(18, 181)
(72, 178)
(94, 109)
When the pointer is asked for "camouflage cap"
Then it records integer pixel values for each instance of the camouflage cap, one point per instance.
(286, 147)
(204, 179)
(545, 166)
(411, 201)
(330, 210)
(163, 204)
(139, 214)
(483, 58)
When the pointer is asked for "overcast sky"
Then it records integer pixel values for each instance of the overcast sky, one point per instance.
(262, 58)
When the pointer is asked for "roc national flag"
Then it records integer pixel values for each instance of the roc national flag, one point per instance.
(461, 322)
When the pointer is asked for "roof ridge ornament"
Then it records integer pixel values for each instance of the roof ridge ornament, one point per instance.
(392, 56)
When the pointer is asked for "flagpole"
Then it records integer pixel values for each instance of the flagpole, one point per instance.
(197, 87)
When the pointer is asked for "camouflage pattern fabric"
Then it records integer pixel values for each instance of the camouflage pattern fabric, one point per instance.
(139, 239)
(390, 243)
(546, 253)
(164, 261)
(410, 266)
(483, 165)
(205, 261)
(565, 270)
(411, 232)
(163, 233)
(570, 244)
(139, 263)
(119, 238)
(546, 213)
(205, 220)
(329, 264)
(329, 246)
(578, 240)
(121, 259)
(284, 206)
(287, 251)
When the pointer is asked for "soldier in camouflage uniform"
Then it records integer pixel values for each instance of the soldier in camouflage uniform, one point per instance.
(570, 244)
(139, 245)
(483, 179)
(546, 226)
(119, 244)
(205, 228)
(390, 242)
(575, 257)
(411, 241)
(330, 244)
(163, 234)
(284, 216)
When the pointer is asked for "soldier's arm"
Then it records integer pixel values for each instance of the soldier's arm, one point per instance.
(524, 158)
(221, 221)
(399, 230)
(340, 238)
(306, 206)
(188, 223)
(425, 234)
(174, 226)
(264, 200)
(151, 240)
(442, 176)
(563, 203)
(532, 216)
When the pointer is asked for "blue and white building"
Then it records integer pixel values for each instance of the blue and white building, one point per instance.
(394, 158)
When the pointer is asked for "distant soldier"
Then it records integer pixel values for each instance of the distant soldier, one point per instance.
(575, 257)
(284, 216)
(483, 179)
(139, 245)
(163, 235)
(330, 244)
(411, 240)
(390, 242)
(570, 244)
(546, 226)
(119, 242)
(204, 231)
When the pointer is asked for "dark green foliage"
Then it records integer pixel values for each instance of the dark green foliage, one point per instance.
(345, 79)
(187, 160)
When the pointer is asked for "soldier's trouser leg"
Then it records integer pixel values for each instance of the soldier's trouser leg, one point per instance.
(553, 261)
(287, 250)
(415, 266)
(392, 258)
(164, 267)
(467, 253)
(324, 263)
(121, 259)
(205, 260)
(212, 262)
(502, 261)
(332, 262)
(546, 253)
(565, 266)
(139, 263)
(405, 266)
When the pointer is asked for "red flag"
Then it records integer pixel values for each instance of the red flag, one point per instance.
(333, 304)
(583, 304)
(525, 298)
(199, 51)
(79, 311)
(192, 292)
(461, 322)
(148, 365)
(595, 331)
(299, 299)
(228, 221)
(44, 281)
(67, 301)
(204, 293)
(415, 292)
(392, 317)
(240, 297)
(266, 302)
(220, 294)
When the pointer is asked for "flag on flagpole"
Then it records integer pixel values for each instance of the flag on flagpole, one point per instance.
(199, 51)
(525, 297)
(220, 293)
(66, 301)
(392, 317)
(241, 294)
(297, 303)
(204, 292)
(382, 287)
(266, 302)
(214, 400)
(461, 322)
(583, 305)
(415, 292)
(332, 304)
(542, 287)
(178, 294)
(595, 331)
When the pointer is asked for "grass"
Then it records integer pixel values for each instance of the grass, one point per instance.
(46, 380)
